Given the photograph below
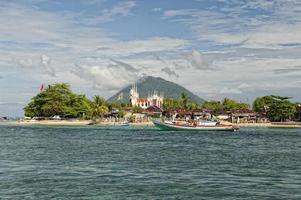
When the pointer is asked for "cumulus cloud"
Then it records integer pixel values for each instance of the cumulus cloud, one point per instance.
(52, 48)
(108, 76)
(41, 64)
(198, 61)
(256, 44)
(46, 63)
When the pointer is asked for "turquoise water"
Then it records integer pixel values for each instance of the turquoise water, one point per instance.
(99, 163)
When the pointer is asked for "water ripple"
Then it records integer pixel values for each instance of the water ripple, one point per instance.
(105, 163)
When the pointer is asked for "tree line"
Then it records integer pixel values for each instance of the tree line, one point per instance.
(59, 99)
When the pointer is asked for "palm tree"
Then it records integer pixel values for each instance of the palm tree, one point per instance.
(99, 106)
(185, 100)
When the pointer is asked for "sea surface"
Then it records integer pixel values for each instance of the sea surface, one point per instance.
(40, 162)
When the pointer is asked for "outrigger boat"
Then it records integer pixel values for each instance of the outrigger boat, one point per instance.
(195, 126)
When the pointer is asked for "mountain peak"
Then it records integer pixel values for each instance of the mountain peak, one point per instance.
(149, 84)
(148, 78)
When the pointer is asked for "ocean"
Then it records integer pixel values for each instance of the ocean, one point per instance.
(39, 162)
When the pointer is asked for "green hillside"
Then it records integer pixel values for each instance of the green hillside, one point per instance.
(148, 84)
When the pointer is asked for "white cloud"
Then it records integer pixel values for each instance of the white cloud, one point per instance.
(275, 36)
(227, 90)
(243, 23)
(56, 47)
(41, 64)
(198, 61)
(157, 9)
(108, 76)
(223, 59)
(156, 44)
(123, 9)
(23, 24)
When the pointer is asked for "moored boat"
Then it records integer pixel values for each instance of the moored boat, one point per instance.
(201, 126)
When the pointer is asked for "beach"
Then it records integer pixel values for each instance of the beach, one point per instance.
(268, 125)
(76, 123)
(55, 122)
(143, 124)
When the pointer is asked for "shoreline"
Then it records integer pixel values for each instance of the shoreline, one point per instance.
(77, 123)
(138, 124)
(267, 125)
(55, 122)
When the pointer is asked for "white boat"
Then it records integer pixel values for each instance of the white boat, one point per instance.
(197, 126)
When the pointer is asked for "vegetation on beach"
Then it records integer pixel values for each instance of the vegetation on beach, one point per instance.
(225, 105)
(276, 108)
(99, 107)
(183, 102)
(59, 99)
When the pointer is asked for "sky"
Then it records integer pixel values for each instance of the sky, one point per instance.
(238, 49)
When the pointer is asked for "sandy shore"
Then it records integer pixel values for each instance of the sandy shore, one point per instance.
(55, 122)
(76, 123)
(262, 125)
(266, 125)
(143, 124)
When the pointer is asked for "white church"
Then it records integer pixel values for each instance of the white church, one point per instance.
(152, 100)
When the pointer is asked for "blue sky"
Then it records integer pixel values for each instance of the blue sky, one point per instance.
(216, 48)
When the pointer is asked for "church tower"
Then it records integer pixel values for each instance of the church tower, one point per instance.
(134, 95)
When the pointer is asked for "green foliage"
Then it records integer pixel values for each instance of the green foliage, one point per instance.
(170, 103)
(215, 106)
(121, 113)
(262, 104)
(132, 118)
(116, 105)
(229, 104)
(33, 109)
(78, 106)
(120, 106)
(225, 105)
(193, 106)
(277, 108)
(298, 111)
(232, 105)
(99, 107)
(58, 99)
(183, 102)
(281, 111)
(137, 109)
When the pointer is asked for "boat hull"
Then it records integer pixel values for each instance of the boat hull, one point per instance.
(164, 126)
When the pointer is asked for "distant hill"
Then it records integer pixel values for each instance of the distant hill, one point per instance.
(148, 84)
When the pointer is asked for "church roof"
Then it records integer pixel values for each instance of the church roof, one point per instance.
(153, 109)
(142, 100)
